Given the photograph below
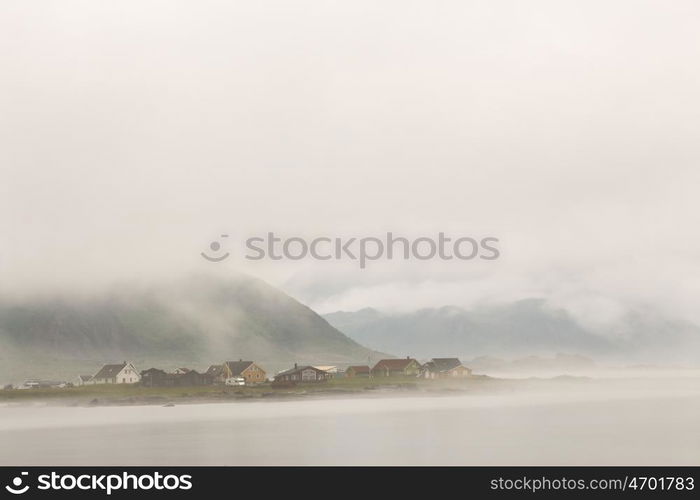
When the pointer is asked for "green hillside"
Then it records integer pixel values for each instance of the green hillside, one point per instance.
(191, 322)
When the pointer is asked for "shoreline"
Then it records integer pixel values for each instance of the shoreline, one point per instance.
(107, 395)
(379, 388)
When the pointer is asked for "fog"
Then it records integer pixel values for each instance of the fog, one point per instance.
(588, 422)
(135, 133)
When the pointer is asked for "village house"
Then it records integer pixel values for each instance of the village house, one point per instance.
(357, 371)
(122, 373)
(396, 368)
(154, 377)
(445, 368)
(192, 378)
(302, 374)
(247, 370)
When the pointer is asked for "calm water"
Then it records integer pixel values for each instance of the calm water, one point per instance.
(621, 422)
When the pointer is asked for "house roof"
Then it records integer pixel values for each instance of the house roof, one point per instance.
(443, 364)
(153, 371)
(394, 364)
(215, 370)
(298, 369)
(238, 367)
(109, 371)
(84, 378)
(359, 369)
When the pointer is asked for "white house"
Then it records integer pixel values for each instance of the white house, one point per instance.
(122, 373)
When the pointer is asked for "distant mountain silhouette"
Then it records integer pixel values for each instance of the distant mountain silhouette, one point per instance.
(522, 328)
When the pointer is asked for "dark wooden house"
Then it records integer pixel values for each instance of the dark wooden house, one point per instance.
(302, 375)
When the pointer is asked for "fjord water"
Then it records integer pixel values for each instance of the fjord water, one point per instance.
(603, 422)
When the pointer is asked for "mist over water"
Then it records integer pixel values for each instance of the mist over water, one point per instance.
(624, 421)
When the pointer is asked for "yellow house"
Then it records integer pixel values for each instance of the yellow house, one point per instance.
(247, 370)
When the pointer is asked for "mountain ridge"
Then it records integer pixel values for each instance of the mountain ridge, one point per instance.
(193, 321)
(525, 327)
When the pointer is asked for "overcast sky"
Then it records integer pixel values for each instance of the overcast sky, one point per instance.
(135, 132)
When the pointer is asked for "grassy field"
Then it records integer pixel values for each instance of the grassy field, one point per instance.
(137, 394)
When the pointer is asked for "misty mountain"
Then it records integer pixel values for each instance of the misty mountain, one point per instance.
(525, 327)
(191, 322)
